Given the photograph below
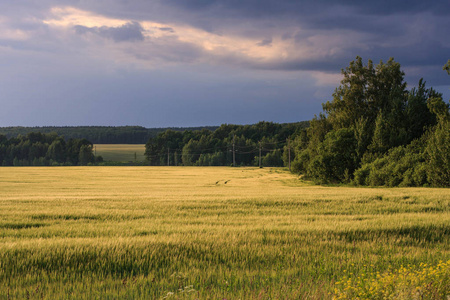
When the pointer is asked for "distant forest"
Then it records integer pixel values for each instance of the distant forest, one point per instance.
(40, 149)
(240, 145)
(34, 146)
(98, 134)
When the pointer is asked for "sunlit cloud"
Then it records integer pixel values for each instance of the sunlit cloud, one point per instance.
(229, 48)
(70, 16)
(11, 33)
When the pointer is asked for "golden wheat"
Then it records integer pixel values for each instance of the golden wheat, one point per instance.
(205, 232)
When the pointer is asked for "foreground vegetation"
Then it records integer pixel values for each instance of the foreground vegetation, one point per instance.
(376, 132)
(411, 282)
(210, 233)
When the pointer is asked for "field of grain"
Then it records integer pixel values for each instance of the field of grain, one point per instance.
(208, 233)
(120, 152)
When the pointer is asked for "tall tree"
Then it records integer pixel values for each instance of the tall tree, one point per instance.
(371, 113)
(364, 91)
(85, 155)
(438, 148)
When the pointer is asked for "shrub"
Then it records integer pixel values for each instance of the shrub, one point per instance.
(438, 155)
(401, 166)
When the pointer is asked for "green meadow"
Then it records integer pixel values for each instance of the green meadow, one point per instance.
(120, 152)
(216, 233)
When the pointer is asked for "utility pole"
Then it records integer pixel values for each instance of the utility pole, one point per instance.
(260, 154)
(168, 157)
(289, 152)
(234, 154)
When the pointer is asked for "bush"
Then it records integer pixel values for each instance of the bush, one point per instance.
(401, 166)
(336, 157)
(438, 155)
(299, 164)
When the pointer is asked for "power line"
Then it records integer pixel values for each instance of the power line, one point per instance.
(234, 154)
(198, 152)
(260, 154)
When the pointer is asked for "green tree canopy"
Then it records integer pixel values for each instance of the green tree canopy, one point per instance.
(371, 113)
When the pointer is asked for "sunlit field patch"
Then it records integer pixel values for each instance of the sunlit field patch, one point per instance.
(120, 152)
(206, 233)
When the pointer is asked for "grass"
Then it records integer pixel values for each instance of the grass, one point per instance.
(208, 233)
(120, 152)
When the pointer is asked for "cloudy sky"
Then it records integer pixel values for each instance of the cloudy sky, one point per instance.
(159, 63)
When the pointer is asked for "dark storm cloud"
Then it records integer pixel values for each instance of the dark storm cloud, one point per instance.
(265, 42)
(168, 50)
(128, 32)
(379, 24)
(269, 8)
(197, 62)
(380, 27)
(168, 29)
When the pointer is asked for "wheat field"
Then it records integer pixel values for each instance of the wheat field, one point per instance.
(207, 233)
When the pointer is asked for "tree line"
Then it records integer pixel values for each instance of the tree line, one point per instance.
(373, 132)
(376, 132)
(97, 134)
(227, 145)
(41, 149)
